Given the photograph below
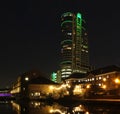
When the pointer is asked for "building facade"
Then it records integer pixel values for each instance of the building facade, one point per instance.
(100, 81)
(35, 85)
(74, 45)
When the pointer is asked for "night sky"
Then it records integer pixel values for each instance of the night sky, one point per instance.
(30, 34)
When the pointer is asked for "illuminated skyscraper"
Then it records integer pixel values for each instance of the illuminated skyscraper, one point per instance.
(74, 45)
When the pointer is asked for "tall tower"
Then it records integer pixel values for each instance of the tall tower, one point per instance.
(74, 45)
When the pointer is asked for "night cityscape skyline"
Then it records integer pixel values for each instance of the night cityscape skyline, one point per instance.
(31, 35)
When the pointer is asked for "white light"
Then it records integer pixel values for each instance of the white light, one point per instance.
(26, 79)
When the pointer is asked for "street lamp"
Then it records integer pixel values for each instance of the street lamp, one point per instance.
(26, 79)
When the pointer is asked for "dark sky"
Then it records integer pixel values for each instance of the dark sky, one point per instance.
(30, 34)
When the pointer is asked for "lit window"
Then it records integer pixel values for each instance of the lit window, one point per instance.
(67, 81)
(63, 69)
(104, 79)
(69, 69)
(23, 89)
(104, 86)
(88, 86)
(100, 78)
(117, 81)
(69, 48)
(69, 34)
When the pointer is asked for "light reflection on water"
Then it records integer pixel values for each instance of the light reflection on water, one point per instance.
(36, 107)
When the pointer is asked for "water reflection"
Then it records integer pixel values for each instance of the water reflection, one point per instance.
(36, 107)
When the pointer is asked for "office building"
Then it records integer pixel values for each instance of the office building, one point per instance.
(74, 45)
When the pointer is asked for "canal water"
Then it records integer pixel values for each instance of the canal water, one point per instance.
(37, 107)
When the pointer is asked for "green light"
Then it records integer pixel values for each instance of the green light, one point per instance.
(67, 14)
(68, 21)
(66, 41)
(54, 76)
(79, 15)
(66, 62)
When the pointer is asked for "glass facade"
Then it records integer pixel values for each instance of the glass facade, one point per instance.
(74, 45)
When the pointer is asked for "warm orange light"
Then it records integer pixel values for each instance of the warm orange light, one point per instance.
(104, 79)
(117, 81)
(87, 113)
(88, 86)
(51, 87)
(104, 86)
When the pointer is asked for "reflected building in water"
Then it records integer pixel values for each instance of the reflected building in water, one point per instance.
(36, 107)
